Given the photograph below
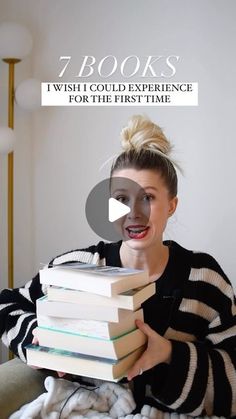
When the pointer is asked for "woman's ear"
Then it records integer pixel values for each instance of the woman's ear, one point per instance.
(173, 205)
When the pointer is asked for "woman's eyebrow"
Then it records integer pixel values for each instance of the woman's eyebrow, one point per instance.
(120, 190)
(144, 188)
(150, 187)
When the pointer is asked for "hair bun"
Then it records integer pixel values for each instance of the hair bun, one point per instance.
(141, 133)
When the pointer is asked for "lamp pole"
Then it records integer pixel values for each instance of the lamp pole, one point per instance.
(10, 210)
(15, 44)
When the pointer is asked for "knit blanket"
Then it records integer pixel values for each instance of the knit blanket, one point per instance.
(64, 399)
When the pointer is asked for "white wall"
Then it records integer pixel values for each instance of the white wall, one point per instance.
(61, 149)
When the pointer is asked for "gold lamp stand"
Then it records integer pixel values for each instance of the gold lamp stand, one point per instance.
(10, 199)
(10, 210)
(15, 44)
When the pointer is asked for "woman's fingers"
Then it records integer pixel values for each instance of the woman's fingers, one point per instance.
(144, 328)
(35, 341)
(61, 374)
(34, 367)
(137, 368)
(159, 349)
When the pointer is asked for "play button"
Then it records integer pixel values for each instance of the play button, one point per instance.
(116, 210)
(115, 203)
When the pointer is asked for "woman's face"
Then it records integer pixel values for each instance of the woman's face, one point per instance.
(150, 206)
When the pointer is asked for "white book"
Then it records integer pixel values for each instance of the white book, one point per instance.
(79, 311)
(102, 280)
(105, 348)
(102, 329)
(129, 300)
(83, 365)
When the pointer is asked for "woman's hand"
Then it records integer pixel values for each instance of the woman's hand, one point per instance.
(36, 342)
(158, 350)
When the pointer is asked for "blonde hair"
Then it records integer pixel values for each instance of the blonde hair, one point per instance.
(145, 146)
(141, 132)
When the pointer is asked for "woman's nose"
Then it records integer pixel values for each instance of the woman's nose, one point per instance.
(135, 209)
(139, 209)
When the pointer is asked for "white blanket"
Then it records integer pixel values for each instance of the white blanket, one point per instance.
(64, 399)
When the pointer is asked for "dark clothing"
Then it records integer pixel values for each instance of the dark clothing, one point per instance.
(194, 307)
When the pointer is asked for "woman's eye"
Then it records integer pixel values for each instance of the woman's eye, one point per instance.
(121, 198)
(148, 197)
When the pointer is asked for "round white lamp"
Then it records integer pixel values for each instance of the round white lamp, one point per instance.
(15, 41)
(7, 140)
(28, 94)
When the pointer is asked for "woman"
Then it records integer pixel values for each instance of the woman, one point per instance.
(189, 363)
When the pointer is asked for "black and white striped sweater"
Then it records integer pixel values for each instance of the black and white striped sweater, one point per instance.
(194, 306)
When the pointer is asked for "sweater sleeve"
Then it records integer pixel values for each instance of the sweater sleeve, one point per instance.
(18, 315)
(18, 306)
(201, 378)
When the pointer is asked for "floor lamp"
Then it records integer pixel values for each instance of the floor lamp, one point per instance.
(15, 44)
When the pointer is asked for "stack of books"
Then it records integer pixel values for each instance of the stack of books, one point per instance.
(86, 323)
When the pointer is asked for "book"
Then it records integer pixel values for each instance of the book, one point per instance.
(79, 364)
(102, 329)
(129, 300)
(105, 348)
(103, 280)
(80, 311)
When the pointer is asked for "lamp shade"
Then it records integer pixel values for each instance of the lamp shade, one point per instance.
(15, 40)
(28, 94)
(7, 140)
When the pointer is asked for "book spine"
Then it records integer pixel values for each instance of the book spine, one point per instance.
(104, 348)
(72, 280)
(91, 328)
(67, 295)
(81, 311)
